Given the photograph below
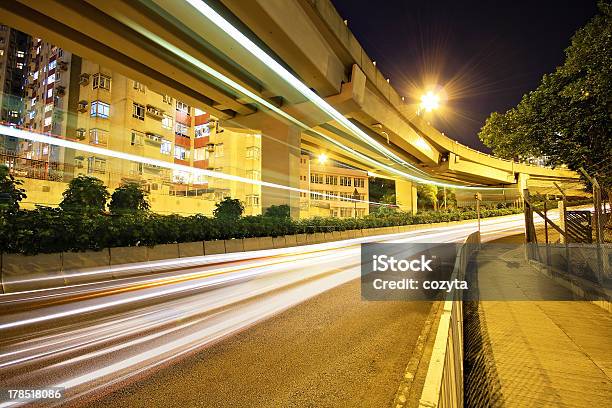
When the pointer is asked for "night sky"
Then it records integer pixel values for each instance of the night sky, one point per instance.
(485, 54)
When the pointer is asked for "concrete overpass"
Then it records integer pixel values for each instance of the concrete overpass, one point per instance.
(290, 68)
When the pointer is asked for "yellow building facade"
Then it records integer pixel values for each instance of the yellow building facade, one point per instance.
(332, 189)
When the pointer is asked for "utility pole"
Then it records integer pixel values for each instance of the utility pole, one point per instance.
(478, 198)
(355, 197)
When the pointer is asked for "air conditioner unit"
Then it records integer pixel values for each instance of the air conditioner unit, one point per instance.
(82, 106)
(84, 79)
(60, 90)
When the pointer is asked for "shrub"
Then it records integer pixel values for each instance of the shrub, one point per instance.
(228, 209)
(10, 192)
(85, 194)
(129, 197)
(278, 211)
(54, 230)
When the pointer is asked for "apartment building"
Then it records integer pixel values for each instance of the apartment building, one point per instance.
(332, 188)
(14, 49)
(83, 101)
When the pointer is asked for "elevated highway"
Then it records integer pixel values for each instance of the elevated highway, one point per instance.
(291, 69)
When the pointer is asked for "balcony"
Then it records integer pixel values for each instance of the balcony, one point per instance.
(181, 161)
(184, 141)
(183, 118)
(201, 142)
(200, 164)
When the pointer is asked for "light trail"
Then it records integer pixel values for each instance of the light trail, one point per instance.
(89, 344)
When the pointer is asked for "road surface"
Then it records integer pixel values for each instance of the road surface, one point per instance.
(189, 337)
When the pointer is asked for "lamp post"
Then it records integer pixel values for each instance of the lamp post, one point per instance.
(355, 197)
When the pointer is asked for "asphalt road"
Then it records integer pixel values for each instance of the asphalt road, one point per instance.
(270, 328)
(331, 351)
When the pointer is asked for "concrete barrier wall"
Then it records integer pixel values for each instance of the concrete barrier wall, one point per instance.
(20, 273)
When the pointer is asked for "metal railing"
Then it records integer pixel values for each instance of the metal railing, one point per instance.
(444, 381)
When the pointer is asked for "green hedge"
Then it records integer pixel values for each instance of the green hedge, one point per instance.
(49, 230)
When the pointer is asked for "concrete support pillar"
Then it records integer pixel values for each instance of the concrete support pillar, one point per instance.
(280, 164)
(406, 196)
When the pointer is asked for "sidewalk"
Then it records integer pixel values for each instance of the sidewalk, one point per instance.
(540, 353)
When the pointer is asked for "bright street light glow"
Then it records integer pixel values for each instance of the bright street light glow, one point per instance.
(322, 158)
(430, 101)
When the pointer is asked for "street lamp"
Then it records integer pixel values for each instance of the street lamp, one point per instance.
(430, 101)
(322, 158)
(355, 197)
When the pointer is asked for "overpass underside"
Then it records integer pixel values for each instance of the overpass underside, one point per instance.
(298, 75)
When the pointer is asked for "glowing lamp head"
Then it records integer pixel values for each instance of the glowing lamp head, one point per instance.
(322, 158)
(430, 101)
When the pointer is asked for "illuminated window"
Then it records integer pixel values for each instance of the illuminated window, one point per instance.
(48, 107)
(50, 93)
(252, 152)
(201, 154)
(138, 111)
(252, 200)
(101, 81)
(100, 109)
(20, 54)
(48, 121)
(52, 65)
(181, 130)
(50, 79)
(219, 150)
(202, 130)
(166, 147)
(345, 181)
(96, 165)
(181, 153)
(138, 86)
(166, 122)
(98, 136)
(182, 107)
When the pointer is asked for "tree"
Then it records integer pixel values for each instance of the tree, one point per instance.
(129, 197)
(85, 194)
(278, 211)
(10, 192)
(229, 209)
(427, 196)
(568, 118)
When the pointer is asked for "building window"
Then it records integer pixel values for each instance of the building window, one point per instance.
(47, 121)
(359, 182)
(50, 93)
(331, 180)
(253, 174)
(100, 109)
(96, 165)
(202, 130)
(137, 138)
(20, 54)
(345, 181)
(166, 147)
(166, 122)
(48, 107)
(138, 86)
(138, 111)
(181, 153)
(316, 178)
(346, 212)
(182, 107)
(181, 130)
(19, 65)
(167, 99)
(80, 132)
(98, 136)
(252, 152)
(219, 151)
(101, 81)
(252, 200)
(52, 64)
(201, 154)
